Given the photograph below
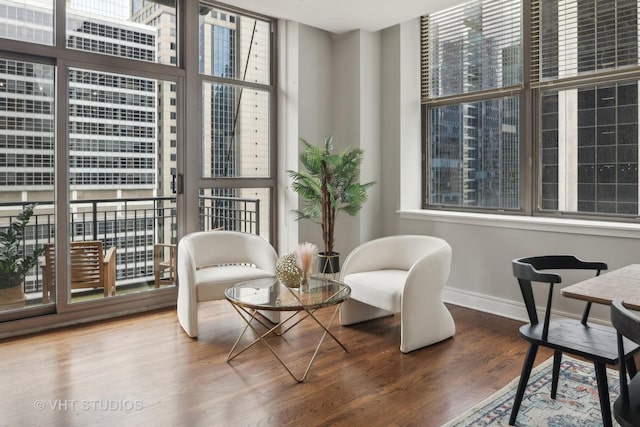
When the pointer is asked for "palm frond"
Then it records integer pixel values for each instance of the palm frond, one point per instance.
(329, 183)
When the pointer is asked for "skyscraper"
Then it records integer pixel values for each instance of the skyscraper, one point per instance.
(590, 134)
(474, 146)
(122, 142)
(112, 136)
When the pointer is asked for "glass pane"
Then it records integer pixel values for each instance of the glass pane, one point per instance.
(122, 161)
(589, 149)
(26, 170)
(28, 21)
(474, 46)
(235, 131)
(587, 36)
(139, 30)
(474, 154)
(234, 46)
(237, 209)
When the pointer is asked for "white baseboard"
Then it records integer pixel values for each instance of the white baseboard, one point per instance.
(502, 307)
(488, 304)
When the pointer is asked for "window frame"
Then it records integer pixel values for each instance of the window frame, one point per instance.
(247, 182)
(530, 128)
(184, 76)
(520, 90)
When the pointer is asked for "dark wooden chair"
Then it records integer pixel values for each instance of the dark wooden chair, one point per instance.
(592, 342)
(626, 408)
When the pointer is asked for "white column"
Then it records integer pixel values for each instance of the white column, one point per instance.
(288, 99)
(568, 150)
(567, 108)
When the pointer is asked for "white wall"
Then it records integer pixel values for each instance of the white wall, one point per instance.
(316, 84)
(483, 245)
(346, 119)
(400, 178)
(306, 103)
(338, 91)
(338, 77)
(371, 133)
(357, 124)
(481, 275)
(288, 99)
(316, 101)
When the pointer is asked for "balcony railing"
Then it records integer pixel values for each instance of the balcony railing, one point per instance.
(133, 226)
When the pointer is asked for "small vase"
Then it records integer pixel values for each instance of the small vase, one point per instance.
(304, 284)
(287, 271)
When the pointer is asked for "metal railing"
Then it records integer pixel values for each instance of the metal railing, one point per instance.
(230, 213)
(132, 225)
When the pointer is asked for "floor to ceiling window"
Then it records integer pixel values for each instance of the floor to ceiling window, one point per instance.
(237, 140)
(27, 175)
(92, 133)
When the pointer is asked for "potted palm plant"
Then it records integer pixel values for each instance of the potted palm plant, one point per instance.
(15, 264)
(328, 185)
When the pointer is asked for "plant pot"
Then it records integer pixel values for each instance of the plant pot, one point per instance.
(328, 263)
(12, 298)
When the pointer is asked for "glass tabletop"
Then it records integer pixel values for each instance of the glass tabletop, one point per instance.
(269, 294)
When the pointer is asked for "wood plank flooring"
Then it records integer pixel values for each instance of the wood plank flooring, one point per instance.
(144, 371)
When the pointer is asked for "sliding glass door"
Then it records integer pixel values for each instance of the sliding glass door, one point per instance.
(121, 168)
(89, 147)
(125, 124)
(27, 177)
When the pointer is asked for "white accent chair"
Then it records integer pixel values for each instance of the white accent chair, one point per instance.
(211, 261)
(400, 274)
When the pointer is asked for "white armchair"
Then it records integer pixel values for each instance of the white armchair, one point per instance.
(211, 261)
(400, 274)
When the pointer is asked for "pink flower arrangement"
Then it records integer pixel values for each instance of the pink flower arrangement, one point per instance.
(304, 257)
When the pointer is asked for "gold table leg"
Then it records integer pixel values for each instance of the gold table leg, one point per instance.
(250, 316)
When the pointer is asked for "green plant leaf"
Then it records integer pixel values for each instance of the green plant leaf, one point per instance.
(15, 264)
(328, 183)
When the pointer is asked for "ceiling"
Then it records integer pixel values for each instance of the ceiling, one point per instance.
(340, 16)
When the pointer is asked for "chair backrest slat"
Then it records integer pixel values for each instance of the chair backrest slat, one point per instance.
(625, 322)
(529, 300)
(529, 269)
(86, 264)
(627, 325)
(49, 274)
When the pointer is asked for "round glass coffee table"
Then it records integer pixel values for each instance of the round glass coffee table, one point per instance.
(268, 294)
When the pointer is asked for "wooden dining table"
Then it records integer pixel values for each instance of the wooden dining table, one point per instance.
(621, 284)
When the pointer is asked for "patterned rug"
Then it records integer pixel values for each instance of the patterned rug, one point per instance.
(576, 402)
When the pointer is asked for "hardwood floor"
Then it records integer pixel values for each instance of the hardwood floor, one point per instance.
(143, 370)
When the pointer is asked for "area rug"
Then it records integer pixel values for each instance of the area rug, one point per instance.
(576, 402)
